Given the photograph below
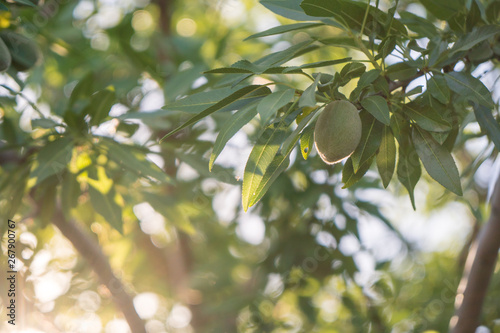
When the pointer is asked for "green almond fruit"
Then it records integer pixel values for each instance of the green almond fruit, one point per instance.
(337, 132)
(5, 58)
(24, 52)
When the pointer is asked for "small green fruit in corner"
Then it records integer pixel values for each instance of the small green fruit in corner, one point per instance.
(24, 52)
(337, 132)
(5, 58)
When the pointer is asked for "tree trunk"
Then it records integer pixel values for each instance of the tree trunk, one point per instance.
(91, 251)
(478, 271)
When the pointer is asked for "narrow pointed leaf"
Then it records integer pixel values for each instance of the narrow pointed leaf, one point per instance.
(438, 88)
(219, 105)
(488, 124)
(377, 106)
(259, 160)
(478, 34)
(386, 157)
(351, 177)
(324, 63)
(437, 160)
(307, 141)
(284, 28)
(25, 2)
(200, 101)
(409, 170)
(100, 104)
(105, 205)
(470, 88)
(43, 123)
(308, 98)
(130, 159)
(53, 158)
(287, 8)
(370, 140)
(280, 161)
(426, 117)
(352, 14)
(229, 129)
(270, 104)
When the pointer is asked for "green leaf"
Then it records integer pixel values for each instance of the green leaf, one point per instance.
(344, 42)
(270, 104)
(246, 67)
(386, 156)
(401, 71)
(370, 140)
(280, 161)
(70, 191)
(493, 12)
(377, 106)
(25, 2)
(398, 123)
(420, 25)
(130, 159)
(437, 160)
(478, 35)
(470, 88)
(81, 92)
(307, 141)
(443, 9)
(364, 81)
(385, 48)
(230, 128)
(239, 67)
(43, 123)
(277, 59)
(263, 154)
(438, 88)
(53, 158)
(259, 160)
(287, 8)
(426, 117)
(308, 97)
(196, 103)
(324, 63)
(351, 14)
(281, 57)
(409, 170)
(100, 104)
(488, 123)
(349, 176)
(219, 105)
(368, 77)
(352, 70)
(284, 28)
(106, 206)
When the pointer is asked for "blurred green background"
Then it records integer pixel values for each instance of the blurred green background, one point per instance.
(311, 257)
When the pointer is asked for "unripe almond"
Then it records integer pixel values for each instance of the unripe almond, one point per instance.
(337, 132)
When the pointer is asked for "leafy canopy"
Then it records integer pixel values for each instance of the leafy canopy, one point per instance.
(415, 86)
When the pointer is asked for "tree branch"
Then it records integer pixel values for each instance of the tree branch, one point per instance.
(91, 251)
(478, 271)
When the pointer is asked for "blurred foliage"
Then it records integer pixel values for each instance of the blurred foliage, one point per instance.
(80, 132)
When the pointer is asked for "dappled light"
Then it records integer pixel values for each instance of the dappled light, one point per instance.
(249, 166)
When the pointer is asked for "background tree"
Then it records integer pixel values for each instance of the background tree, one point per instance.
(81, 126)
